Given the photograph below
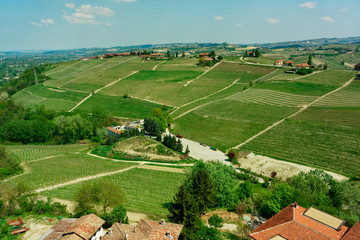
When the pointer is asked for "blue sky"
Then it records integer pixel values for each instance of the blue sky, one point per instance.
(67, 24)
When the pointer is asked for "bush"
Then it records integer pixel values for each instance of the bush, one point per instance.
(118, 215)
(304, 71)
(216, 221)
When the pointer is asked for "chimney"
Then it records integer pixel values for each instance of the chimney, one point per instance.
(162, 222)
(168, 234)
(126, 236)
(109, 232)
(295, 205)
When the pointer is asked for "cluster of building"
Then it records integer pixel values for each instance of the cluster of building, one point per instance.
(154, 56)
(297, 223)
(281, 63)
(205, 56)
(91, 227)
(116, 130)
(109, 55)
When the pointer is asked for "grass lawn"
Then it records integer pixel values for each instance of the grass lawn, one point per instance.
(119, 106)
(147, 191)
(64, 168)
(261, 60)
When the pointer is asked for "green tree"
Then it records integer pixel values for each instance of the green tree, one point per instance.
(216, 221)
(187, 151)
(257, 53)
(168, 53)
(179, 146)
(182, 206)
(325, 66)
(203, 189)
(118, 215)
(151, 126)
(310, 59)
(282, 196)
(212, 54)
(245, 190)
(219, 58)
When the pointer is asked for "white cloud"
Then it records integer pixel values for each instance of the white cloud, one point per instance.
(308, 5)
(218, 18)
(86, 14)
(273, 20)
(125, 0)
(344, 10)
(328, 19)
(239, 25)
(70, 5)
(108, 24)
(45, 22)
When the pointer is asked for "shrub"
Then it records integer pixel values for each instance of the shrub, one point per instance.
(216, 221)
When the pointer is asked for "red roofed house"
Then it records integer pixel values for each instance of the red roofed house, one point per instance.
(84, 58)
(157, 54)
(297, 223)
(87, 227)
(279, 63)
(113, 131)
(250, 54)
(203, 54)
(290, 63)
(302, 65)
(208, 59)
(144, 230)
(357, 67)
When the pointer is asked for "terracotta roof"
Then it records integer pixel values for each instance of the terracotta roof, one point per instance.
(145, 230)
(289, 62)
(353, 233)
(83, 228)
(278, 61)
(157, 54)
(291, 224)
(113, 130)
(208, 59)
(58, 229)
(302, 65)
(203, 54)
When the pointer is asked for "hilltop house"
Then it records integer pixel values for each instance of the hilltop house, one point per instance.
(250, 54)
(279, 62)
(144, 230)
(203, 55)
(357, 67)
(302, 65)
(289, 63)
(297, 223)
(89, 227)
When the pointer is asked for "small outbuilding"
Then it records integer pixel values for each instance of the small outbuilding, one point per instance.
(357, 67)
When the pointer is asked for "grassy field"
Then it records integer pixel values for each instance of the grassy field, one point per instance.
(62, 168)
(324, 136)
(147, 191)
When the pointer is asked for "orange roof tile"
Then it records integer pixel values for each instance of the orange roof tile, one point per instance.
(113, 130)
(291, 224)
(353, 233)
(84, 227)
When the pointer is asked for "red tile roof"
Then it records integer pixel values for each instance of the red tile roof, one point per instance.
(58, 229)
(145, 230)
(290, 62)
(353, 233)
(113, 130)
(157, 54)
(291, 224)
(203, 54)
(83, 228)
(303, 65)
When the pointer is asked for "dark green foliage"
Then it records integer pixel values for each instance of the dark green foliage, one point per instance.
(257, 53)
(8, 165)
(212, 54)
(216, 221)
(171, 142)
(151, 126)
(118, 215)
(304, 71)
(219, 58)
(159, 138)
(208, 233)
(187, 151)
(310, 60)
(203, 189)
(282, 196)
(245, 190)
(103, 193)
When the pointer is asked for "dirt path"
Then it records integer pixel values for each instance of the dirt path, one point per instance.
(84, 179)
(292, 115)
(164, 169)
(155, 67)
(265, 165)
(208, 70)
(97, 90)
(148, 100)
(205, 97)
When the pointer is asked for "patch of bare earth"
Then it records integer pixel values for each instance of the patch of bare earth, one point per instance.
(266, 165)
(56, 90)
(37, 228)
(228, 217)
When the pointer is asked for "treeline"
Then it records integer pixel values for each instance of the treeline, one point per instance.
(20, 125)
(27, 79)
(8, 165)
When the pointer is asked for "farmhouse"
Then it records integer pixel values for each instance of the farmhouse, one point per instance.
(290, 63)
(250, 54)
(84, 59)
(279, 62)
(297, 223)
(112, 131)
(357, 67)
(303, 65)
(203, 54)
(144, 230)
(208, 59)
(89, 227)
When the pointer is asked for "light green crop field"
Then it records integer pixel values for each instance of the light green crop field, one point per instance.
(25, 153)
(147, 191)
(329, 77)
(119, 106)
(225, 123)
(63, 168)
(325, 136)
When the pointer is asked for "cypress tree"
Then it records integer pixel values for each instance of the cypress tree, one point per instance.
(203, 189)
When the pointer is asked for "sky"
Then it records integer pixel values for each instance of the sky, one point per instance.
(70, 24)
